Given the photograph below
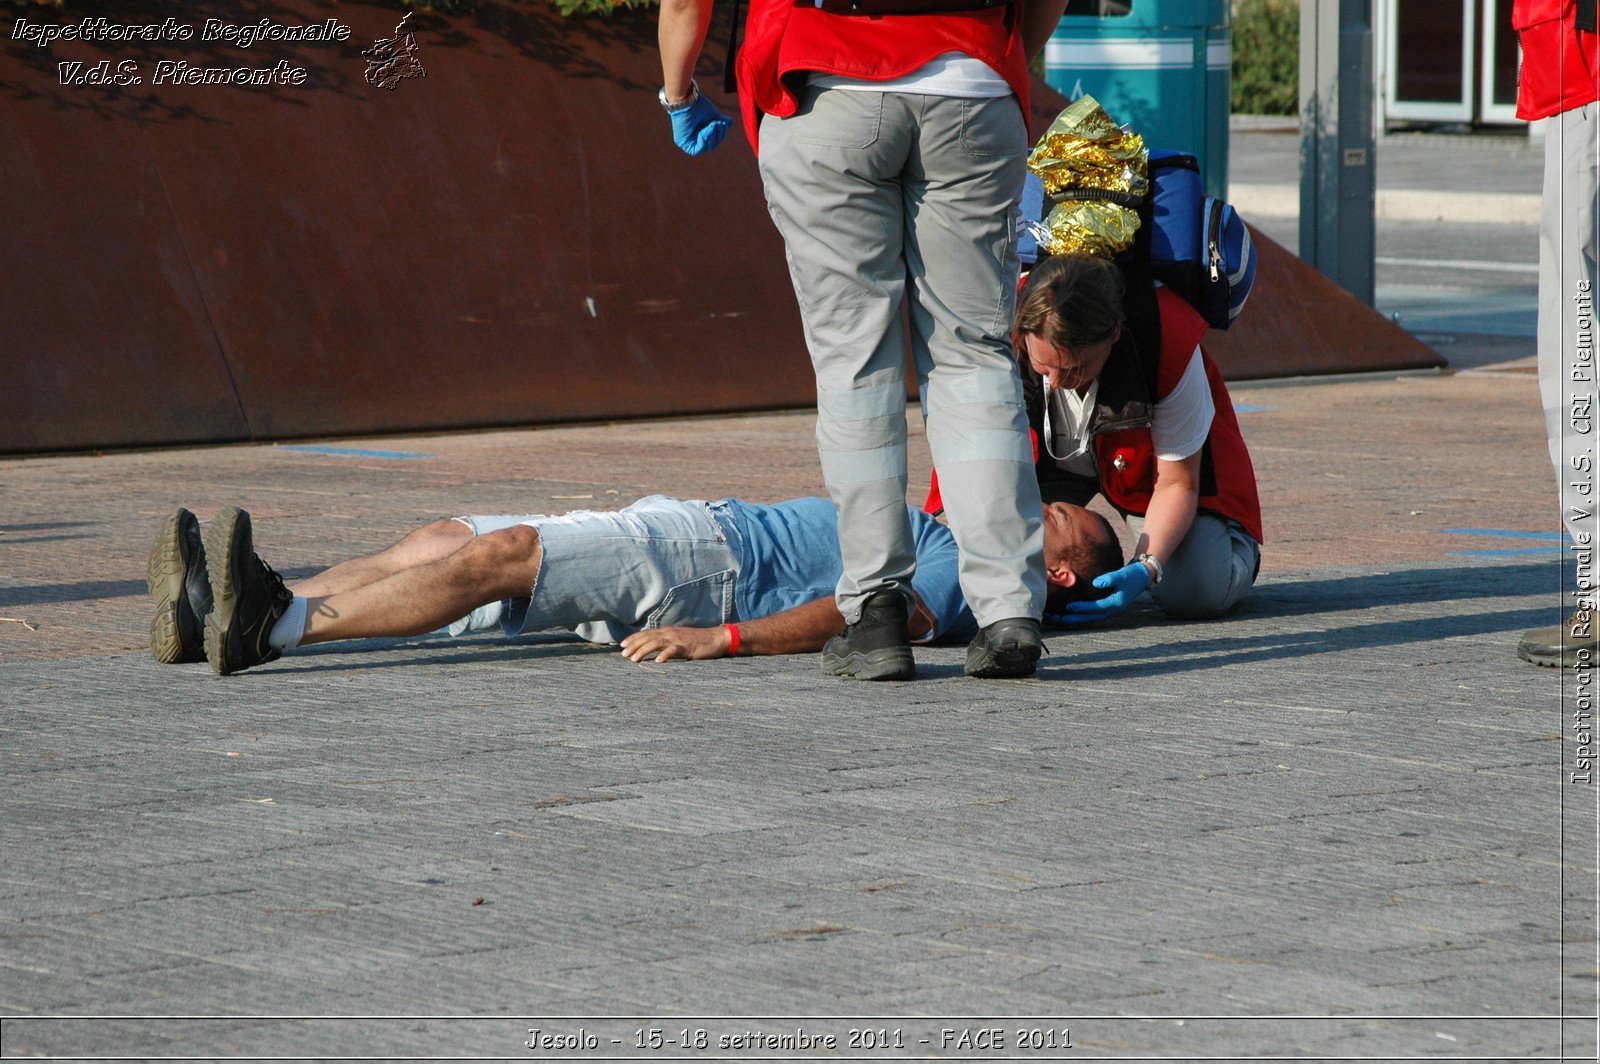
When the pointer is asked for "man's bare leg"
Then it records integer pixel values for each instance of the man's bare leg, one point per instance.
(426, 597)
(427, 544)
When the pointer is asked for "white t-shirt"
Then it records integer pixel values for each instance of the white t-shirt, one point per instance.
(1181, 422)
(950, 74)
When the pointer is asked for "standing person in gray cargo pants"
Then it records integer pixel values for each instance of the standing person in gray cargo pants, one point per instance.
(882, 196)
(892, 144)
(1559, 86)
(1567, 364)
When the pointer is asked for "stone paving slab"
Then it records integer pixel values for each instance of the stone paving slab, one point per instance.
(1345, 800)
(1258, 815)
(1371, 468)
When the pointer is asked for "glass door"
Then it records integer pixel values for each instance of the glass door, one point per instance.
(1432, 52)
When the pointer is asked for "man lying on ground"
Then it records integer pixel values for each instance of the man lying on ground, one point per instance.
(663, 577)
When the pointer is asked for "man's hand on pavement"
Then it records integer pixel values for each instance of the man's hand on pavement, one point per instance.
(1125, 584)
(699, 127)
(695, 644)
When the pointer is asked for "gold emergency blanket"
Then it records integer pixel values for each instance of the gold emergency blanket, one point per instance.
(1084, 149)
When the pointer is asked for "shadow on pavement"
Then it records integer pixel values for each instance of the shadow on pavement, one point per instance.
(1249, 648)
(88, 590)
(438, 650)
(1256, 631)
(1401, 586)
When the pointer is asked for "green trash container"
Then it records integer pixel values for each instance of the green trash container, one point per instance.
(1159, 66)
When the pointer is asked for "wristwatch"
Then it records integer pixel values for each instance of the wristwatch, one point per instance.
(694, 94)
(1155, 564)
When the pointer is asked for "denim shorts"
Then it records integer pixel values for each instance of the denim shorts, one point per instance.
(606, 575)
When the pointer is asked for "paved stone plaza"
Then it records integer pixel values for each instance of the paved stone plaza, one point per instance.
(1347, 800)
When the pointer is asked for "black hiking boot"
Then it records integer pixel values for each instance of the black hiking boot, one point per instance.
(875, 647)
(1006, 649)
(176, 575)
(248, 597)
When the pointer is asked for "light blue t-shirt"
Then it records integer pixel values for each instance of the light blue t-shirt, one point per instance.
(789, 556)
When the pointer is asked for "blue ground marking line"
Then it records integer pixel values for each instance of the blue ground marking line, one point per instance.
(1507, 552)
(1558, 546)
(1507, 533)
(1246, 408)
(357, 452)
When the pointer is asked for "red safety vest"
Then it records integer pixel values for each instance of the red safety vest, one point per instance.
(1129, 487)
(782, 38)
(1127, 458)
(1560, 63)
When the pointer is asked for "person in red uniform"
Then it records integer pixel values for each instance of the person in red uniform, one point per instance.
(1558, 88)
(891, 137)
(1125, 403)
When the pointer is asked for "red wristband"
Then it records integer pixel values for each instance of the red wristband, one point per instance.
(733, 639)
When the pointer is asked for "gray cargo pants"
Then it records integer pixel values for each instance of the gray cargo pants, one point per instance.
(1211, 570)
(1569, 241)
(886, 197)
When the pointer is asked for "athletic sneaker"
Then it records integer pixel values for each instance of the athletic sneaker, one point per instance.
(1563, 646)
(1005, 650)
(177, 578)
(876, 646)
(248, 597)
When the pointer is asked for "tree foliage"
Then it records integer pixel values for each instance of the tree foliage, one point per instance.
(600, 7)
(1266, 57)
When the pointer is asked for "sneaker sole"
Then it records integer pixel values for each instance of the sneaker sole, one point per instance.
(220, 537)
(889, 663)
(164, 575)
(1549, 659)
(1005, 663)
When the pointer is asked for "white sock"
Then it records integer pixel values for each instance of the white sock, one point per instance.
(286, 634)
(481, 619)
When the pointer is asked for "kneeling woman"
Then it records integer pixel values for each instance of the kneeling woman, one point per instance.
(1125, 403)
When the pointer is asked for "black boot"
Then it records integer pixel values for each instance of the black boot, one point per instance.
(876, 647)
(1005, 649)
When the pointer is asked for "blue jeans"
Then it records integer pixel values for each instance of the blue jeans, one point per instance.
(658, 563)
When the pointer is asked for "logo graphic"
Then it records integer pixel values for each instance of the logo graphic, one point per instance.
(391, 61)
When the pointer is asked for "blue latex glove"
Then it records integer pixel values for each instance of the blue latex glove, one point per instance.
(1126, 584)
(699, 127)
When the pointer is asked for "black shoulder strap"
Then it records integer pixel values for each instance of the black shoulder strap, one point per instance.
(730, 77)
(1139, 300)
(1586, 15)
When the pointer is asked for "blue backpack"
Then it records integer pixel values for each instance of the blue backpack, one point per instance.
(1199, 246)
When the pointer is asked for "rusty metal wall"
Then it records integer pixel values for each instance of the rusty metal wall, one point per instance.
(104, 335)
(1298, 322)
(511, 239)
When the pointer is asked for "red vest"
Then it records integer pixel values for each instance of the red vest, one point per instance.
(1560, 63)
(1129, 487)
(782, 39)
